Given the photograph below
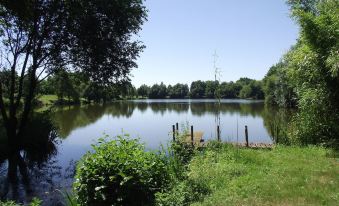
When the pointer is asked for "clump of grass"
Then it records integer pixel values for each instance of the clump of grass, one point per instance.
(281, 176)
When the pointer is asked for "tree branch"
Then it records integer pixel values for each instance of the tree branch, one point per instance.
(22, 79)
(45, 77)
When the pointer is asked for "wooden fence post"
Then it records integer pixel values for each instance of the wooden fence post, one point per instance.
(177, 126)
(246, 135)
(173, 130)
(192, 139)
(218, 132)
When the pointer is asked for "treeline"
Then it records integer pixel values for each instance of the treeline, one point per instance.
(72, 87)
(244, 88)
(307, 77)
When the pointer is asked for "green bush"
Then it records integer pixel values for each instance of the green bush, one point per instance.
(35, 202)
(120, 172)
(182, 151)
(182, 193)
(182, 189)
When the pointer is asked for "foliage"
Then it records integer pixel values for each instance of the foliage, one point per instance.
(75, 85)
(178, 91)
(211, 87)
(181, 190)
(245, 92)
(181, 150)
(197, 89)
(158, 91)
(244, 81)
(278, 87)
(127, 90)
(230, 90)
(35, 202)
(5, 77)
(243, 88)
(308, 77)
(119, 172)
(182, 193)
(277, 123)
(69, 199)
(250, 88)
(40, 38)
(143, 90)
(65, 88)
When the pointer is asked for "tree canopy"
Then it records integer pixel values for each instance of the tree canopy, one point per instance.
(41, 37)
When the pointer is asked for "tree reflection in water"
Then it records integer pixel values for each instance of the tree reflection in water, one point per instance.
(31, 170)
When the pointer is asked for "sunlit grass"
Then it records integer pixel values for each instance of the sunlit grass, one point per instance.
(281, 176)
(48, 99)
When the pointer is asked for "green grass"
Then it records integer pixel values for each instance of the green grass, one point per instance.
(48, 99)
(281, 176)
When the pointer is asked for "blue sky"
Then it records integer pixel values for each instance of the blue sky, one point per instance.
(181, 36)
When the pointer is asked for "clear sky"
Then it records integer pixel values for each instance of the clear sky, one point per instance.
(181, 36)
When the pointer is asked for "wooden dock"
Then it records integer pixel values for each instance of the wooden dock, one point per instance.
(197, 138)
(254, 145)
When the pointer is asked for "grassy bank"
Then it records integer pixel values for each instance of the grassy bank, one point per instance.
(281, 176)
(48, 99)
(218, 174)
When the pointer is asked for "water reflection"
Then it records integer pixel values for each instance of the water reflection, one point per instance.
(276, 121)
(32, 170)
(68, 119)
(200, 112)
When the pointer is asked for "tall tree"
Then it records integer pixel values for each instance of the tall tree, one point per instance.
(178, 91)
(38, 37)
(211, 88)
(197, 89)
(143, 90)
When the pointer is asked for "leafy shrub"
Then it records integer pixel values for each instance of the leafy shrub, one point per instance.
(182, 189)
(182, 193)
(120, 172)
(182, 151)
(8, 203)
(35, 202)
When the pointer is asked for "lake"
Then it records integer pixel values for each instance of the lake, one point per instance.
(150, 120)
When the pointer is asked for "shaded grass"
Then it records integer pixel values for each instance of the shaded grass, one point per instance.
(281, 176)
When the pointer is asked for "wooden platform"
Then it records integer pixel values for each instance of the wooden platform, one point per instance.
(255, 145)
(197, 138)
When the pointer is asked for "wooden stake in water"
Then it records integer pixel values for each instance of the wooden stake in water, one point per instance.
(192, 134)
(177, 125)
(246, 136)
(173, 130)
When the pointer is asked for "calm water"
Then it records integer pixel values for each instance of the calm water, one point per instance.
(150, 120)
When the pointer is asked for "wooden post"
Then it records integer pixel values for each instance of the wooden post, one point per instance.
(218, 133)
(246, 136)
(192, 134)
(173, 130)
(177, 126)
